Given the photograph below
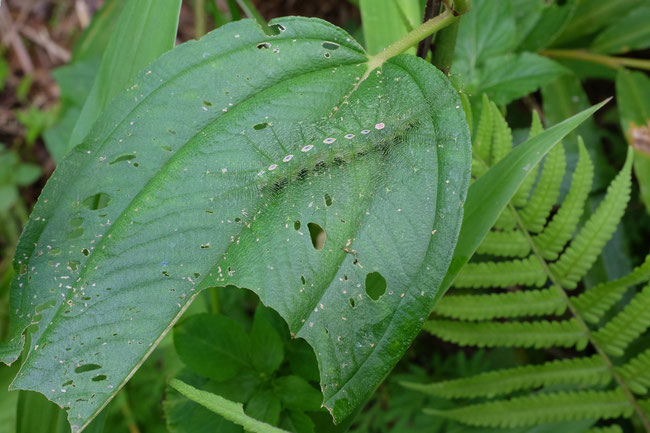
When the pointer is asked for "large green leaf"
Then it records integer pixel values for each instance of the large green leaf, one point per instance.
(145, 30)
(176, 189)
(633, 95)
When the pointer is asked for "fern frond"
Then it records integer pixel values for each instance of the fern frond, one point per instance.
(579, 371)
(542, 408)
(560, 229)
(501, 136)
(587, 245)
(510, 243)
(594, 303)
(636, 372)
(526, 272)
(501, 305)
(538, 334)
(506, 221)
(627, 325)
(614, 428)
(521, 197)
(539, 207)
(483, 140)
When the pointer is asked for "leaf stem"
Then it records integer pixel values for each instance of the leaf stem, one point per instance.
(412, 38)
(609, 61)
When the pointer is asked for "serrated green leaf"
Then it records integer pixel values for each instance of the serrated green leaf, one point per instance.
(265, 406)
(506, 78)
(553, 18)
(213, 346)
(296, 393)
(630, 33)
(230, 410)
(198, 205)
(267, 346)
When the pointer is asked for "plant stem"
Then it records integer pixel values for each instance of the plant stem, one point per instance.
(199, 19)
(582, 324)
(413, 37)
(432, 10)
(443, 49)
(609, 61)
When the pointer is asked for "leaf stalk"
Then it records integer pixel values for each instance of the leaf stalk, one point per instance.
(609, 61)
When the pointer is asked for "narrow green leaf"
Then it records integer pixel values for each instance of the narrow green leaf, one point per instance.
(296, 393)
(229, 410)
(384, 21)
(489, 195)
(146, 29)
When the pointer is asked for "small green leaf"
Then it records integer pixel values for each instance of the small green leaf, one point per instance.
(553, 18)
(506, 78)
(231, 411)
(267, 346)
(214, 346)
(630, 33)
(265, 406)
(297, 422)
(26, 174)
(487, 30)
(296, 393)
(8, 197)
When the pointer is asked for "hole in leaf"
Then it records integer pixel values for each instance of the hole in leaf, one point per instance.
(99, 378)
(330, 45)
(263, 46)
(296, 225)
(318, 235)
(260, 126)
(121, 158)
(87, 367)
(54, 251)
(275, 29)
(351, 302)
(207, 103)
(45, 305)
(375, 285)
(165, 273)
(302, 278)
(85, 252)
(328, 200)
(74, 264)
(64, 384)
(327, 55)
(167, 148)
(97, 201)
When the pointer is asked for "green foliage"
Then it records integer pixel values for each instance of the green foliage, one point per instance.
(633, 95)
(251, 369)
(385, 21)
(229, 410)
(173, 192)
(562, 253)
(487, 58)
(145, 30)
